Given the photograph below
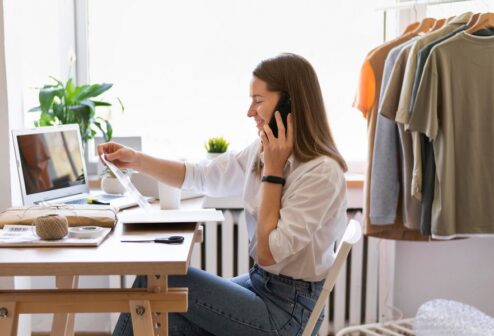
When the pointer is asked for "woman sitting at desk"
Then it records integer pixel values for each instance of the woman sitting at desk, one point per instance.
(295, 206)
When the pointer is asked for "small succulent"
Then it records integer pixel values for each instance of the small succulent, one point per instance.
(216, 145)
(108, 172)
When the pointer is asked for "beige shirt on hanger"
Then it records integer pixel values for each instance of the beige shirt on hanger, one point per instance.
(404, 108)
(454, 108)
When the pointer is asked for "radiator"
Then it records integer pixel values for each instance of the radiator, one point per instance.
(355, 298)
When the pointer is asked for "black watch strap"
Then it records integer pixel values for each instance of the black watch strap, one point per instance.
(273, 179)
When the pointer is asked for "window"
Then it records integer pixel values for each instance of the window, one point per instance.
(43, 46)
(182, 68)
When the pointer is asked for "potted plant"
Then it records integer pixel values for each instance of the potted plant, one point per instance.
(215, 146)
(68, 103)
(109, 182)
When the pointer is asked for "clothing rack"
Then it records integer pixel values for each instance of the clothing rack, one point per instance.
(387, 269)
(409, 5)
(412, 4)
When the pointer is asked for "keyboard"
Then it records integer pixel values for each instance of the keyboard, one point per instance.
(77, 201)
(107, 198)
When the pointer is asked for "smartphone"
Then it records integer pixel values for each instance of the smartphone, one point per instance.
(284, 106)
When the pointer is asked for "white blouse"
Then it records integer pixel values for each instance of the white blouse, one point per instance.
(312, 214)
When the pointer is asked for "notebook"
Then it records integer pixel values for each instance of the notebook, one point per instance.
(52, 169)
(170, 216)
(24, 236)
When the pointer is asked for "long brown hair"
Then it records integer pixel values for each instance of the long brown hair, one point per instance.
(311, 133)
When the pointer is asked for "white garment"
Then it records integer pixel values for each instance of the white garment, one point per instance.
(312, 214)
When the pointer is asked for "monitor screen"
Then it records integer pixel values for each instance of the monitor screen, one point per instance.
(50, 160)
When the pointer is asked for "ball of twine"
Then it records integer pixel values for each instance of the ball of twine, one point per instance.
(51, 227)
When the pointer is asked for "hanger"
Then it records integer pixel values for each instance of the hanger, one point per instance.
(485, 20)
(425, 25)
(460, 19)
(411, 27)
(438, 24)
(473, 20)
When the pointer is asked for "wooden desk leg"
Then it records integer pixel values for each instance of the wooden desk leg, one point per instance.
(160, 319)
(63, 323)
(142, 319)
(8, 318)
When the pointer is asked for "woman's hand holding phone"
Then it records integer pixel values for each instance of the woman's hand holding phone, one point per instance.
(277, 150)
(119, 155)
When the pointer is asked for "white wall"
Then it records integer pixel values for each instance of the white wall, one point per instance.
(10, 117)
(11, 103)
(459, 270)
(5, 186)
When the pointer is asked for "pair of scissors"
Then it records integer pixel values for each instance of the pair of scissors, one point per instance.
(160, 240)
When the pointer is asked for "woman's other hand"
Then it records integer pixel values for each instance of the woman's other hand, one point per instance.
(277, 150)
(119, 155)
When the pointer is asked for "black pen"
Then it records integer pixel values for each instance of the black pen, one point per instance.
(162, 240)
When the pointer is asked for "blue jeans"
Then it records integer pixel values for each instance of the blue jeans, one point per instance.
(258, 303)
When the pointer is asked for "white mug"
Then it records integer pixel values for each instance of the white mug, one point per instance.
(169, 197)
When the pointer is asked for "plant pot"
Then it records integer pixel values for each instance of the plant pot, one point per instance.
(212, 156)
(111, 185)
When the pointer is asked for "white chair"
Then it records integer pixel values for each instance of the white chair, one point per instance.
(353, 233)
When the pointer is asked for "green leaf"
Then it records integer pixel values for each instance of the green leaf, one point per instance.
(90, 104)
(100, 103)
(98, 125)
(45, 120)
(100, 88)
(47, 95)
(82, 92)
(93, 90)
(59, 83)
(51, 86)
(70, 92)
(35, 109)
(79, 114)
(59, 113)
(78, 90)
(108, 133)
(122, 107)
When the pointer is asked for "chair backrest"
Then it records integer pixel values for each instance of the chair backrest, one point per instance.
(353, 233)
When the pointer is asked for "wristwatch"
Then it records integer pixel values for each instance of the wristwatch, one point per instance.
(273, 179)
